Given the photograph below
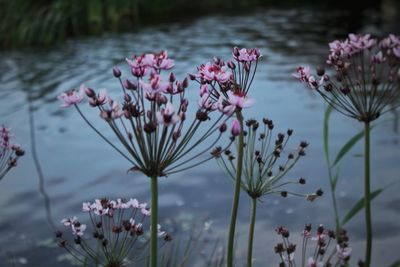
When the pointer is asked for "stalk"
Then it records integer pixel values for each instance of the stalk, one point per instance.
(154, 225)
(367, 196)
(236, 196)
(251, 231)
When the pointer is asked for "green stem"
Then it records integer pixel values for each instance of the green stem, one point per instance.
(367, 196)
(333, 194)
(154, 220)
(251, 232)
(235, 202)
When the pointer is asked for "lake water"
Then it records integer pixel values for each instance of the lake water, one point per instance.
(78, 166)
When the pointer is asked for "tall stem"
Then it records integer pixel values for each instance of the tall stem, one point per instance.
(367, 196)
(235, 202)
(333, 194)
(154, 221)
(251, 231)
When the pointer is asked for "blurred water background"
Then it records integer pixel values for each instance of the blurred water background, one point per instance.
(78, 166)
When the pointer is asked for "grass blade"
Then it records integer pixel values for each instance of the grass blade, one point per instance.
(359, 206)
(343, 151)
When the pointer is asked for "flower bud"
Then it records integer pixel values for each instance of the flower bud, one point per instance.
(172, 77)
(116, 72)
(90, 92)
(236, 129)
(127, 98)
(231, 65)
(320, 71)
(223, 127)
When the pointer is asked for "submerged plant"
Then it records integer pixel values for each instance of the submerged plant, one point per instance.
(117, 235)
(151, 123)
(9, 153)
(366, 80)
(266, 163)
(227, 85)
(330, 250)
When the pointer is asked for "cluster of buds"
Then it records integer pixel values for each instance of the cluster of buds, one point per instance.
(264, 166)
(9, 153)
(366, 76)
(150, 120)
(330, 250)
(117, 229)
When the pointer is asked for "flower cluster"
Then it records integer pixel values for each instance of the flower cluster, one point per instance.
(325, 253)
(366, 76)
(9, 153)
(150, 120)
(117, 229)
(262, 173)
(224, 86)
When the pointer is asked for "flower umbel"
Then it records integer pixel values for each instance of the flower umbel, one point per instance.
(117, 234)
(9, 152)
(325, 253)
(150, 122)
(365, 76)
(262, 173)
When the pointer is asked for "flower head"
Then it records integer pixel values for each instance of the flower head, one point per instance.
(119, 226)
(72, 97)
(9, 152)
(365, 76)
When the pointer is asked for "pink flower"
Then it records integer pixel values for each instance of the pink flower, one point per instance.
(396, 51)
(163, 62)
(206, 102)
(167, 115)
(236, 129)
(78, 229)
(343, 253)
(244, 55)
(302, 73)
(134, 203)
(69, 221)
(72, 97)
(214, 72)
(224, 107)
(312, 263)
(155, 85)
(239, 100)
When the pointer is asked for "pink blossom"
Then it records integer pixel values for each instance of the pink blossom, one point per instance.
(244, 55)
(312, 263)
(214, 72)
(302, 73)
(163, 62)
(78, 229)
(396, 51)
(72, 97)
(239, 100)
(167, 115)
(206, 102)
(155, 85)
(134, 203)
(343, 253)
(69, 221)
(224, 107)
(236, 129)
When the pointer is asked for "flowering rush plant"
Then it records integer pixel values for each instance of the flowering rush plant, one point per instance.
(117, 236)
(150, 121)
(330, 249)
(9, 152)
(264, 167)
(225, 86)
(365, 76)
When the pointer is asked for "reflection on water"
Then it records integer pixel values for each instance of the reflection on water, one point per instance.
(79, 167)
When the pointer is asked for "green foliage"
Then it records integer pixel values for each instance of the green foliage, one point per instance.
(359, 206)
(334, 178)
